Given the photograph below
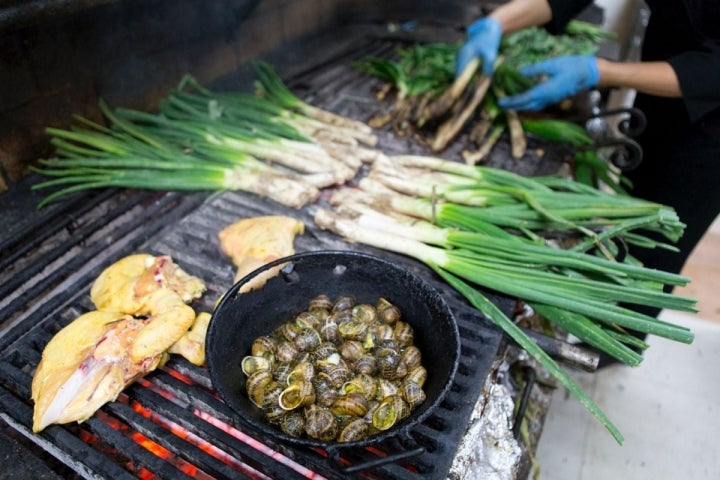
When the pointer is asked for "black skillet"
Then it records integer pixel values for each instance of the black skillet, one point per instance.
(240, 318)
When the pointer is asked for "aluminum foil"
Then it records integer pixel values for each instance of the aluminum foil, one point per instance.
(489, 450)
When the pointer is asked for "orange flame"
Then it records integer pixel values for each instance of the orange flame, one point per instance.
(154, 447)
(207, 447)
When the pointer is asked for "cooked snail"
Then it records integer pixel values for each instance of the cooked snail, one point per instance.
(339, 371)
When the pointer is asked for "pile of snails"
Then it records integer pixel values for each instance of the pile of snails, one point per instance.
(339, 371)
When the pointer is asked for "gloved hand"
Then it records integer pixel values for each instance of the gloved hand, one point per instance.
(484, 42)
(566, 76)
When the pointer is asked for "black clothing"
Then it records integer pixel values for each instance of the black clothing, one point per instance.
(681, 143)
(686, 34)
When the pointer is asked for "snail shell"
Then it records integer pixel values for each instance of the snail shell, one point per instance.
(354, 431)
(320, 423)
(403, 334)
(251, 364)
(325, 391)
(289, 331)
(303, 357)
(342, 316)
(298, 394)
(344, 302)
(411, 357)
(324, 350)
(321, 302)
(384, 332)
(363, 384)
(365, 365)
(263, 347)
(364, 313)
(307, 339)
(286, 351)
(255, 385)
(350, 404)
(387, 312)
(389, 343)
(330, 362)
(307, 320)
(351, 350)
(339, 375)
(281, 371)
(353, 330)
(271, 394)
(275, 414)
(385, 388)
(417, 375)
(370, 340)
(293, 424)
(391, 410)
(388, 362)
(413, 393)
(329, 331)
(301, 372)
(372, 406)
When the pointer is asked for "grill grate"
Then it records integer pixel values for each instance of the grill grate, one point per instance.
(171, 423)
(176, 407)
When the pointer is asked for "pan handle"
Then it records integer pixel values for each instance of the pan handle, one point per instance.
(413, 450)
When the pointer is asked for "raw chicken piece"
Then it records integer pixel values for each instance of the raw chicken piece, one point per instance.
(122, 286)
(90, 361)
(253, 242)
(142, 312)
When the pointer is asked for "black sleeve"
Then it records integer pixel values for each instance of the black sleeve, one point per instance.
(563, 11)
(699, 75)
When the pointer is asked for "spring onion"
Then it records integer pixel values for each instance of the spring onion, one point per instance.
(484, 229)
(201, 140)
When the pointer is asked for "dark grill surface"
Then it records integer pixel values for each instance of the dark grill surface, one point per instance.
(171, 424)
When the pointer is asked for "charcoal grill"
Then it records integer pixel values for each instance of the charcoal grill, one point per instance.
(172, 423)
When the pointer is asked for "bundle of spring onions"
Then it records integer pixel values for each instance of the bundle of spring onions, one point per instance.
(590, 168)
(486, 229)
(273, 145)
(433, 106)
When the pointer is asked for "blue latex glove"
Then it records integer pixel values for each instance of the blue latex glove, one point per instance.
(566, 76)
(484, 42)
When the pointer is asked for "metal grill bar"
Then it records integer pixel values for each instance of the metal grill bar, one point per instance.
(128, 224)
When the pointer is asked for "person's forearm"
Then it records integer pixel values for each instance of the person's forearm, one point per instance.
(654, 78)
(519, 14)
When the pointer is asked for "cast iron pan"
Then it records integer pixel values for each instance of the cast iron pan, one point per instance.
(240, 318)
